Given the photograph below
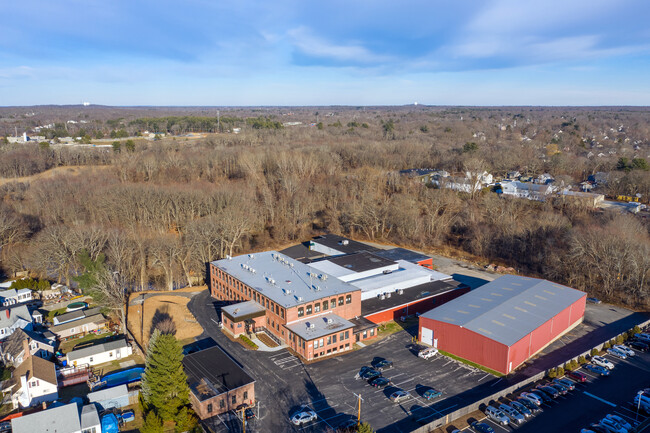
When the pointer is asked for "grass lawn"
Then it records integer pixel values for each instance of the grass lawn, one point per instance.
(51, 314)
(470, 363)
(67, 346)
(115, 365)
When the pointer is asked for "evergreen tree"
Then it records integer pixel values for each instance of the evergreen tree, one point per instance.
(186, 420)
(152, 424)
(164, 383)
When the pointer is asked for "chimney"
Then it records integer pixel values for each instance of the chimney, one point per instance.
(26, 349)
(8, 310)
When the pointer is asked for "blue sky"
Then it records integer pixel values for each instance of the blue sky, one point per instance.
(210, 52)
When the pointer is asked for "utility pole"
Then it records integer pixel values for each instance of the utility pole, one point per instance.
(243, 419)
(359, 411)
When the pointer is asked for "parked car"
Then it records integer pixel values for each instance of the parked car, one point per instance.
(496, 415)
(368, 373)
(612, 425)
(521, 408)
(431, 393)
(481, 427)
(531, 397)
(427, 353)
(643, 337)
(586, 430)
(569, 384)
(549, 390)
(617, 353)
(577, 376)
(563, 390)
(383, 365)
(598, 428)
(400, 395)
(533, 407)
(626, 350)
(379, 382)
(303, 416)
(603, 362)
(620, 420)
(594, 301)
(638, 345)
(542, 395)
(597, 369)
(249, 413)
(5, 427)
(512, 413)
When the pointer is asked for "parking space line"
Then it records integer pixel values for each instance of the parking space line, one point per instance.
(599, 399)
(622, 415)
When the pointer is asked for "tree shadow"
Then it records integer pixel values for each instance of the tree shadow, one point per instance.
(163, 321)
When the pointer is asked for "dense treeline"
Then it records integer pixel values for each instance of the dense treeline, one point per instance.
(161, 212)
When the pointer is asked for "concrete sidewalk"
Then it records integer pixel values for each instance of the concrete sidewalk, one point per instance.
(261, 347)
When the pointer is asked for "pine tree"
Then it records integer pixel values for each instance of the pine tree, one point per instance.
(186, 420)
(164, 383)
(152, 424)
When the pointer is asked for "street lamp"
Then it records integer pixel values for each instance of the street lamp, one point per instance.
(359, 412)
(638, 407)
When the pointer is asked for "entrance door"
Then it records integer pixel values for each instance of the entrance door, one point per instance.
(427, 336)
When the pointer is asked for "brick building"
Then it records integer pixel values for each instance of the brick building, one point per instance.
(217, 383)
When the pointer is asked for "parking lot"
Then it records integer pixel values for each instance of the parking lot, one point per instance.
(590, 401)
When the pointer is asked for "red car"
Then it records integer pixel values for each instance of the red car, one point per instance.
(577, 376)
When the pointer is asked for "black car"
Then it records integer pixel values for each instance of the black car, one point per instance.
(481, 427)
(384, 364)
(379, 382)
(638, 345)
(598, 428)
(529, 404)
(369, 373)
(249, 414)
(542, 395)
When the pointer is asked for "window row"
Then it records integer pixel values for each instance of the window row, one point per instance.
(327, 305)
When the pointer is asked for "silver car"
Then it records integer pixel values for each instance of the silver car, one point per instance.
(513, 414)
(496, 415)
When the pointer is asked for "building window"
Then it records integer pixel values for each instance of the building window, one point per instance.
(222, 404)
(234, 399)
(245, 395)
(308, 309)
(333, 302)
(209, 407)
(303, 344)
(326, 305)
(347, 334)
(334, 338)
(282, 312)
(315, 344)
(239, 325)
(301, 312)
(372, 332)
(91, 359)
(317, 307)
(277, 309)
(322, 342)
(342, 336)
(365, 334)
(329, 339)
(340, 301)
(348, 299)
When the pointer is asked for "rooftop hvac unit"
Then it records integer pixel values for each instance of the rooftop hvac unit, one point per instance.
(312, 326)
(323, 277)
(271, 280)
(345, 242)
(228, 257)
(329, 320)
(251, 256)
(382, 297)
(299, 298)
(400, 291)
(291, 264)
(388, 295)
(317, 288)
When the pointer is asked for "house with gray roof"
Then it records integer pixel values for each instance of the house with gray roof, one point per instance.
(22, 344)
(505, 322)
(14, 317)
(13, 296)
(79, 327)
(100, 353)
(70, 418)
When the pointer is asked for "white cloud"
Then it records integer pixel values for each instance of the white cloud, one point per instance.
(305, 42)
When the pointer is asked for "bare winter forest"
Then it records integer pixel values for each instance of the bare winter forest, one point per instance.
(160, 209)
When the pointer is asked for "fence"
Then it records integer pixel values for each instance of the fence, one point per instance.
(466, 410)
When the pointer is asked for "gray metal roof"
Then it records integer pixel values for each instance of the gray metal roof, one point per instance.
(108, 394)
(320, 326)
(62, 419)
(9, 315)
(243, 309)
(282, 279)
(508, 308)
(89, 416)
(96, 349)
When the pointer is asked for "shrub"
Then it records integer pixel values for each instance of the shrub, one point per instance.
(560, 372)
(247, 341)
(552, 373)
(636, 329)
(607, 346)
(594, 352)
(582, 360)
(619, 339)
(612, 342)
(574, 364)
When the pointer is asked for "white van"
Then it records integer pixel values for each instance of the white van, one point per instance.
(428, 353)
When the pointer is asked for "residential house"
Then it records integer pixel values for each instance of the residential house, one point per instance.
(460, 184)
(115, 397)
(14, 317)
(32, 383)
(13, 296)
(425, 175)
(485, 178)
(79, 327)
(585, 198)
(22, 344)
(100, 353)
(586, 186)
(217, 383)
(75, 315)
(599, 178)
(513, 174)
(531, 191)
(544, 179)
(69, 418)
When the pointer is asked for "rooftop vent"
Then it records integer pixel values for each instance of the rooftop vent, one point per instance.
(329, 320)
(251, 256)
(228, 257)
(311, 326)
(400, 291)
(382, 297)
(344, 242)
(388, 295)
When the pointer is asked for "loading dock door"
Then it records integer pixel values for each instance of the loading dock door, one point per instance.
(427, 336)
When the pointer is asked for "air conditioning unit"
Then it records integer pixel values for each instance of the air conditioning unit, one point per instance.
(312, 326)
(388, 295)
(228, 257)
(329, 320)
(400, 291)
(382, 297)
(251, 256)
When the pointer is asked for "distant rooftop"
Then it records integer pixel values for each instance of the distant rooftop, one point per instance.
(410, 295)
(508, 308)
(96, 349)
(211, 372)
(61, 419)
(319, 326)
(340, 244)
(401, 254)
(282, 279)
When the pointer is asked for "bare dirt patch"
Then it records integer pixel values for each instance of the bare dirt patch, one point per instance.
(160, 308)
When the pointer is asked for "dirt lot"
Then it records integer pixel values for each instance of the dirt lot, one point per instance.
(157, 308)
